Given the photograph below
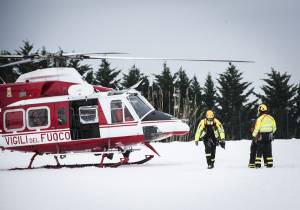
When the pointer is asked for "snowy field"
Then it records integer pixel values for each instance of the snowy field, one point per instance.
(176, 180)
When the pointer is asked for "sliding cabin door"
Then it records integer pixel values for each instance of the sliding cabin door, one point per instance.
(84, 122)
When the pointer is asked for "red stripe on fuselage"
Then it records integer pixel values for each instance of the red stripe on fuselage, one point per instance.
(118, 125)
(159, 121)
(100, 144)
(102, 118)
(177, 133)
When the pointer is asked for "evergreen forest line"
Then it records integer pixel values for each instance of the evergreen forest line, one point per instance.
(231, 97)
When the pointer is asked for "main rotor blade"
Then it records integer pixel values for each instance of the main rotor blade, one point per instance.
(17, 63)
(11, 56)
(96, 53)
(165, 59)
(39, 60)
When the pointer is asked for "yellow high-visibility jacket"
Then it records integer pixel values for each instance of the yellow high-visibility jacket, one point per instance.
(264, 124)
(218, 129)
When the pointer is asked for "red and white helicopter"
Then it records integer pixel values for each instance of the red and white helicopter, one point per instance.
(53, 111)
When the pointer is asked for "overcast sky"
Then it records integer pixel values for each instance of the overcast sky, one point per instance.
(266, 31)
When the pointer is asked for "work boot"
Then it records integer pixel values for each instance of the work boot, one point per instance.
(251, 165)
(210, 167)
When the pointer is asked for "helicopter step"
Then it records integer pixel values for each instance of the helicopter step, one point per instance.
(122, 161)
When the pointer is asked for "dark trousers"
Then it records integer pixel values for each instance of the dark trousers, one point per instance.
(264, 148)
(253, 152)
(210, 151)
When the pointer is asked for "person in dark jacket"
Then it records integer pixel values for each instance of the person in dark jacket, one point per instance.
(211, 131)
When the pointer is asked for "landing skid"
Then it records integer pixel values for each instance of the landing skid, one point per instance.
(111, 165)
(109, 155)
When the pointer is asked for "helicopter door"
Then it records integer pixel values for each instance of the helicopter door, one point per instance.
(84, 122)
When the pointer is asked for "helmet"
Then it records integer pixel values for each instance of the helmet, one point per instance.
(210, 114)
(262, 108)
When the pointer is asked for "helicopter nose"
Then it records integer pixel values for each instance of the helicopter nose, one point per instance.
(174, 128)
(158, 125)
(156, 131)
(181, 128)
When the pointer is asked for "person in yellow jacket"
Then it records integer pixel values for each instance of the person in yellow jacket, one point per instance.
(264, 130)
(211, 131)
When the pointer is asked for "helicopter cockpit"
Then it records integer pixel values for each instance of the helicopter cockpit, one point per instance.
(140, 106)
(131, 108)
(145, 110)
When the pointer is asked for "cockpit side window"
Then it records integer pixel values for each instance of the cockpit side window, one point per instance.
(116, 111)
(139, 106)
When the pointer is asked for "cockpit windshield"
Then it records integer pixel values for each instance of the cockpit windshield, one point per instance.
(139, 106)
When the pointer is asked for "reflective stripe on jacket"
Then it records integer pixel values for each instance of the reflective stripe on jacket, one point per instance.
(219, 131)
(264, 124)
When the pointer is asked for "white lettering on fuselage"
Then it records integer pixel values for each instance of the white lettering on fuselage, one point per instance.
(37, 138)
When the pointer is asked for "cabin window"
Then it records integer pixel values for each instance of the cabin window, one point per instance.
(119, 113)
(88, 114)
(128, 116)
(61, 115)
(116, 111)
(14, 120)
(139, 106)
(38, 117)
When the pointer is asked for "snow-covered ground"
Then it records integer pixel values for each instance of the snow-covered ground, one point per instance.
(176, 180)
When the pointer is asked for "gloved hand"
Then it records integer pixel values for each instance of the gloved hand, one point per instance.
(222, 144)
(196, 142)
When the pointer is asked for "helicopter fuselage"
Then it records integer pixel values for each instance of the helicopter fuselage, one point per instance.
(60, 116)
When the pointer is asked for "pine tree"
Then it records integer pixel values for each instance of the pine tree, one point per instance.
(164, 85)
(134, 76)
(209, 93)
(106, 76)
(233, 96)
(296, 116)
(279, 97)
(44, 63)
(8, 74)
(75, 63)
(26, 49)
(182, 85)
(197, 106)
(86, 71)
(90, 78)
(59, 61)
(196, 93)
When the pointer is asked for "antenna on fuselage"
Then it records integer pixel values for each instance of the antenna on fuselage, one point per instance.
(3, 81)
